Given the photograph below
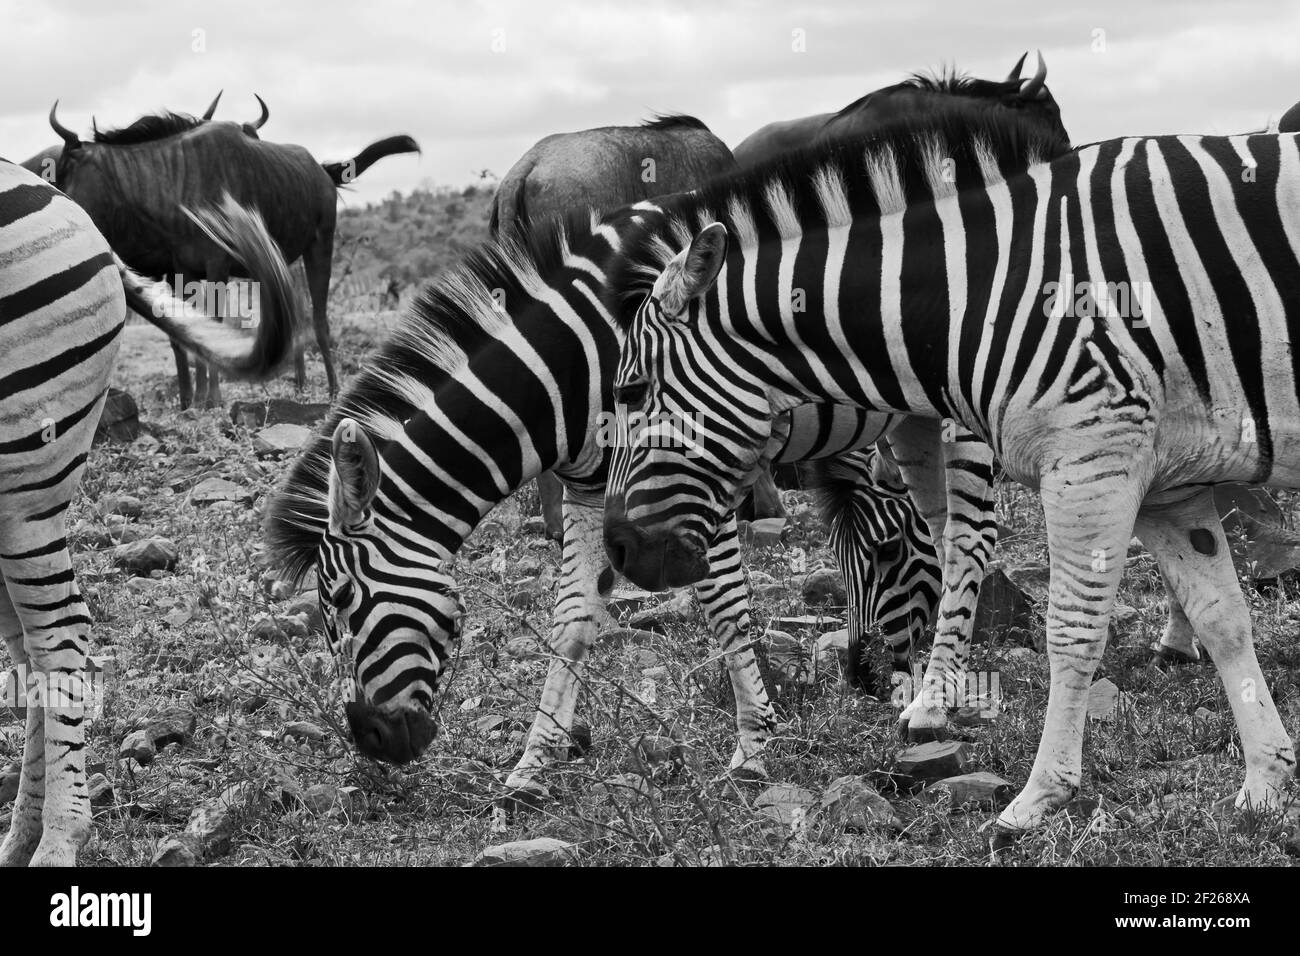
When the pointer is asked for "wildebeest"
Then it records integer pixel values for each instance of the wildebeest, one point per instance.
(605, 168)
(133, 180)
(919, 95)
(43, 164)
(1290, 121)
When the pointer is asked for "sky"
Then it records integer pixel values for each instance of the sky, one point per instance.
(477, 83)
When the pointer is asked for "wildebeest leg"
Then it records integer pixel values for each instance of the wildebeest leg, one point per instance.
(217, 295)
(183, 375)
(316, 260)
(551, 494)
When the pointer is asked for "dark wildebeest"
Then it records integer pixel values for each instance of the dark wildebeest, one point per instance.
(605, 168)
(1290, 121)
(918, 95)
(133, 180)
(43, 164)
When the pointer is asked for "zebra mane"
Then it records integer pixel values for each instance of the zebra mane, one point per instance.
(447, 322)
(148, 128)
(881, 172)
(455, 317)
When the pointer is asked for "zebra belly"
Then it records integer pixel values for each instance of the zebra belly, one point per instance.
(822, 431)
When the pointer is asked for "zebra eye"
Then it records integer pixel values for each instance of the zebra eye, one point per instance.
(632, 394)
(887, 552)
(343, 596)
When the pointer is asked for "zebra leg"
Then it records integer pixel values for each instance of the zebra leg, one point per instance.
(577, 605)
(56, 624)
(1190, 546)
(1089, 524)
(1177, 645)
(25, 826)
(550, 491)
(950, 474)
(725, 599)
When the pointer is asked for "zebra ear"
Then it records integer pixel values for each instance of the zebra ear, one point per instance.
(692, 273)
(356, 473)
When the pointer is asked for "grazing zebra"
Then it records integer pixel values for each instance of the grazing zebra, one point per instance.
(994, 293)
(63, 301)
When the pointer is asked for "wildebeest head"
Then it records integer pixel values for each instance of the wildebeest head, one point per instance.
(956, 95)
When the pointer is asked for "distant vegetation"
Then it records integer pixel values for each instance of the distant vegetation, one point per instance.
(408, 239)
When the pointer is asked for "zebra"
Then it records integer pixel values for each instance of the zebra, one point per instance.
(453, 413)
(1121, 422)
(63, 301)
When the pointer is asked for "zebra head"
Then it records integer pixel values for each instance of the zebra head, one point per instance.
(693, 434)
(402, 613)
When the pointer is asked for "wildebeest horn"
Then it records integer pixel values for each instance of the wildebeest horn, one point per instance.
(70, 139)
(1015, 71)
(1032, 88)
(207, 114)
(266, 114)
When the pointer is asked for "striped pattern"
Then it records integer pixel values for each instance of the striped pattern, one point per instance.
(63, 301)
(1121, 421)
(61, 309)
(497, 373)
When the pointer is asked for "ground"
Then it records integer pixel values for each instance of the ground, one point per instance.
(180, 642)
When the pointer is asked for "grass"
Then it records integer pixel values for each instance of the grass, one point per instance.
(182, 639)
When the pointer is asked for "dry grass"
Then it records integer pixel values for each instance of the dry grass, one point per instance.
(183, 639)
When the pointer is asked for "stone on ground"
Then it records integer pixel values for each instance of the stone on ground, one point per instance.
(852, 803)
(824, 587)
(212, 490)
(120, 420)
(934, 760)
(787, 805)
(541, 851)
(281, 439)
(981, 787)
(1102, 699)
(145, 556)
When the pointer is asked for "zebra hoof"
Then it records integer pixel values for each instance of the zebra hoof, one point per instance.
(523, 800)
(1168, 658)
(1004, 839)
(926, 735)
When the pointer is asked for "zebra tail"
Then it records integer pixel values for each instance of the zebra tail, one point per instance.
(241, 234)
(833, 487)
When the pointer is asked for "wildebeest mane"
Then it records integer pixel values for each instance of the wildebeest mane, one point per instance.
(148, 128)
(674, 121)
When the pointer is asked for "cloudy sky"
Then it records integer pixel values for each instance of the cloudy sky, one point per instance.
(478, 82)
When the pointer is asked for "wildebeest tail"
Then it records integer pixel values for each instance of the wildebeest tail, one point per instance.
(508, 216)
(241, 234)
(346, 171)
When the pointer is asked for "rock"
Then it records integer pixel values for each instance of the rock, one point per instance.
(308, 605)
(213, 822)
(981, 787)
(489, 723)
(524, 648)
(832, 650)
(541, 851)
(281, 439)
(99, 790)
(679, 610)
(786, 656)
(763, 533)
(212, 490)
(267, 630)
(304, 730)
(146, 556)
(934, 760)
(320, 798)
(787, 805)
(522, 598)
(625, 601)
(120, 419)
(173, 726)
(127, 506)
(293, 625)
(177, 851)
(1102, 699)
(823, 587)
(1204, 714)
(855, 805)
(1007, 606)
(277, 410)
(9, 786)
(626, 635)
(1123, 615)
(139, 747)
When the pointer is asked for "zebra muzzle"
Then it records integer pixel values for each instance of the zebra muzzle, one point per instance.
(393, 736)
